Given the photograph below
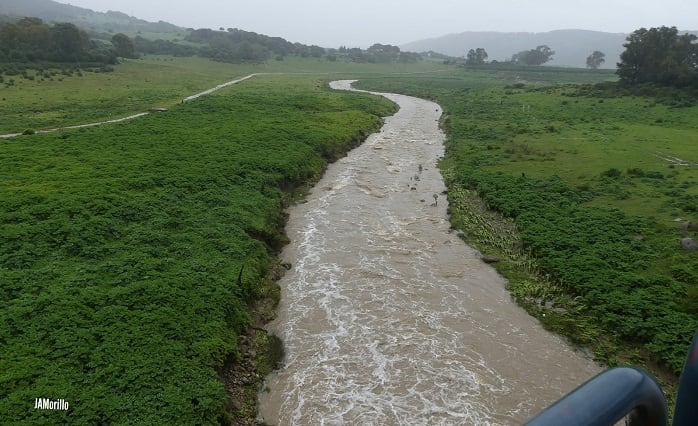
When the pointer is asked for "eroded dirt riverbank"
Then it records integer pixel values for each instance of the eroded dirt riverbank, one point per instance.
(387, 316)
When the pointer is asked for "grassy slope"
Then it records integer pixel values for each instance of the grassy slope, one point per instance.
(543, 157)
(138, 85)
(129, 252)
(135, 86)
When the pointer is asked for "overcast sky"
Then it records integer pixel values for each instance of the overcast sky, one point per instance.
(360, 23)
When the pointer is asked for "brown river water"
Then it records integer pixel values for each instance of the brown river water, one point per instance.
(387, 317)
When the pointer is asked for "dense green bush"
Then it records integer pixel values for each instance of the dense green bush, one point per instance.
(600, 255)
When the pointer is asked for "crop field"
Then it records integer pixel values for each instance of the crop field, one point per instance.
(590, 187)
(130, 252)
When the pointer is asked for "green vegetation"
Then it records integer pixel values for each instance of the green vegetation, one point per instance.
(30, 40)
(130, 252)
(58, 98)
(588, 182)
(537, 56)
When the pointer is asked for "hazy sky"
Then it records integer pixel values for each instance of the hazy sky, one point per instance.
(360, 23)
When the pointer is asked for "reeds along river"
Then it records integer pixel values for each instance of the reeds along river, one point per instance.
(388, 318)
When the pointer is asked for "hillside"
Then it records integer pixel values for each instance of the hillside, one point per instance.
(51, 11)
(571, 46)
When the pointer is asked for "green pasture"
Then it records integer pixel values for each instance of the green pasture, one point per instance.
(82, 97)
(138, 85)
(581, 139)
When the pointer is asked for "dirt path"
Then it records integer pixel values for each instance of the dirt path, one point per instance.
(134, 116)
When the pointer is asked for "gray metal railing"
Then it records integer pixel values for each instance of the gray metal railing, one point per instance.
(626, 392)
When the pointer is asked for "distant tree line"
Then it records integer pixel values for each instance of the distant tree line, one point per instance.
(533, 57)
(378, 53)
(32, 40)
(163, 47)
(236, 45)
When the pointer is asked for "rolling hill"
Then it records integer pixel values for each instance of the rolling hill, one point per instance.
(51, 12)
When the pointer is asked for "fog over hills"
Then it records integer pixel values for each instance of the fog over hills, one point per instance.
(51, 11)
(571, 46)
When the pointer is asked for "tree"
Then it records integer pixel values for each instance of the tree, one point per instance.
(595, 60)
(537, 56)
(659, 55)
(476, 57)
(317, 51)
(123, 46)
(382, 53)
(69, 41)
(27, 39)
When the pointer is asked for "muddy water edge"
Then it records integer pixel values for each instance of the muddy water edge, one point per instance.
(387, 317)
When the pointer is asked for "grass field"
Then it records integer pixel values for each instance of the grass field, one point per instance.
(135, 86)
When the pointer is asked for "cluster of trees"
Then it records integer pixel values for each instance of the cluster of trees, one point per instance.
(661, 56)
(595, 60)
(32, 40)
(537, 56)
(656, 55)
(123, 46)
(236, 45)
(163, 47)
(476, 57)
(377, 53)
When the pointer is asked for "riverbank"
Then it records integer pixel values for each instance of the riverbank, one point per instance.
(595, 209)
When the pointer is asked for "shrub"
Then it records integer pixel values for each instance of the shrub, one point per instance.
(611, 173)
(635, 172)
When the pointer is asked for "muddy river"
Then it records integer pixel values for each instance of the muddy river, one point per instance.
(388, 318)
